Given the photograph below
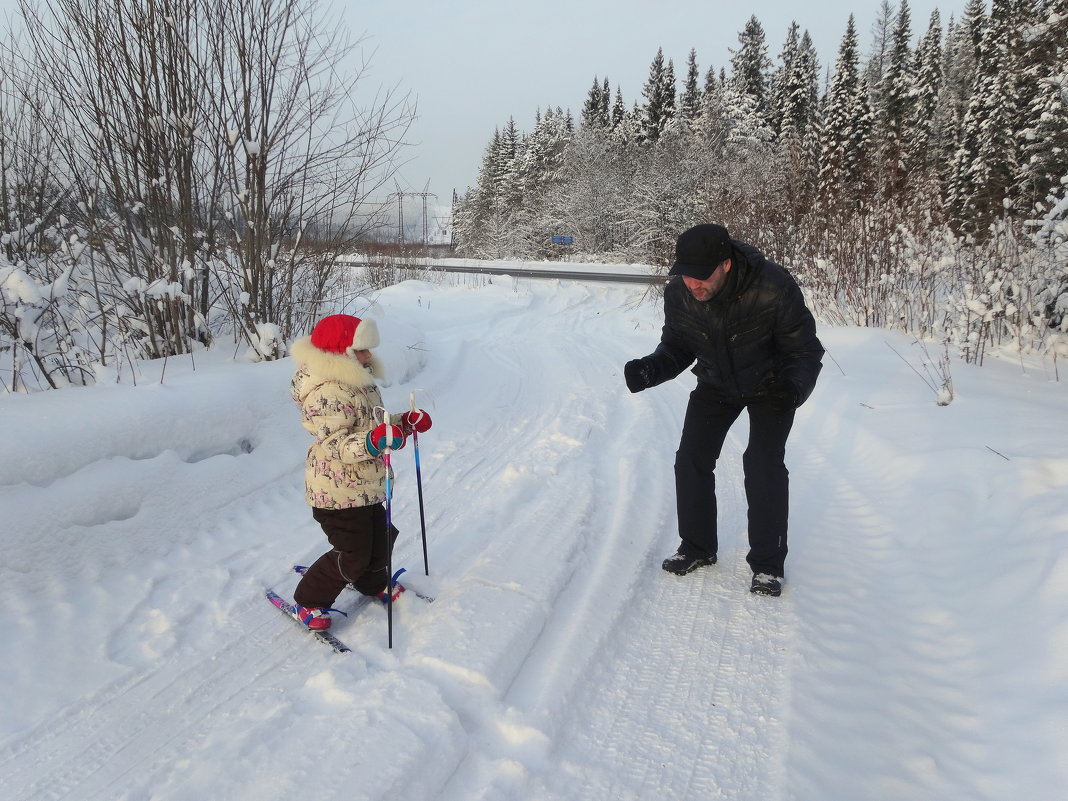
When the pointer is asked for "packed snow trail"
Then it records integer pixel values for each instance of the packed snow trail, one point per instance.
(577, 521)
(625, 652)
(558, 661)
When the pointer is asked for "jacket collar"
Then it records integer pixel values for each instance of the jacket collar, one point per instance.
(335, 366)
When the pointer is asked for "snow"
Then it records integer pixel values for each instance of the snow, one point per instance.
(919, 649)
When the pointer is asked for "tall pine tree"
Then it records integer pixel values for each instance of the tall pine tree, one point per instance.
(881, 35)
(750, 66)
(619, 109)
(847, 131)
(960, 59)
(987, 160)
(690, 103)
(659, 92)
(1043, 179)
(921, 153)
(595, 109)
(894, 110)
(800, 96)
(780, 80)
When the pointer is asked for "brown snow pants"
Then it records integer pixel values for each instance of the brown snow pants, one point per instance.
(360, 555)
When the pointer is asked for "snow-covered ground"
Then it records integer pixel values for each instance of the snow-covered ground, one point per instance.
(919, 650)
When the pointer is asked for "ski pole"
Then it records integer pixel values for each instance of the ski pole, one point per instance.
(389, 529)
(419, 487)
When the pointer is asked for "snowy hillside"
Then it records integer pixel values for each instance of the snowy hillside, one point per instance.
(919, 650)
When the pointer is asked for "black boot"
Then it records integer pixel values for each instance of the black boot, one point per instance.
(766, 584)
(681, 563)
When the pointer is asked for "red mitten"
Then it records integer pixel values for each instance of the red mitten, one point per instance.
(382, 437)
(418, 421)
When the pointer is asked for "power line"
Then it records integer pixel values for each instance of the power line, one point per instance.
(400, 195)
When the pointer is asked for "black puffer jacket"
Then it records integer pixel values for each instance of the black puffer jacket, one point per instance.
(755, 334)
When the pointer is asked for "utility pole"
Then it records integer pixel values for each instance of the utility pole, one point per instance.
(424, 195)
(400, 214)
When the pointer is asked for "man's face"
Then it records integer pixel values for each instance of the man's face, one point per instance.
(705, 290)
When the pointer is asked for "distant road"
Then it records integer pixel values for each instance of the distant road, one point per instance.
(523, 272)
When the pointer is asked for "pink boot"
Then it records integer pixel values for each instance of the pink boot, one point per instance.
(313, 617)
(383, 596)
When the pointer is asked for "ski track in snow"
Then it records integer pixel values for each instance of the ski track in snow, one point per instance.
(615, 609)
(550, 504)
(136, 725)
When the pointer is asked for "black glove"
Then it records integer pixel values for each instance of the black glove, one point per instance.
(639, 374)
(784, 397)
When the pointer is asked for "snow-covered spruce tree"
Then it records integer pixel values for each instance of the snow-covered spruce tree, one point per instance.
(1045, 167)
(660, 94)
(595, 109)
(779, 90)
(845, 153)
(538, 171)
(798, 122)
(589, 190)
(960, 61)
(921, 154)
(629, 131)
(750, 67)
(987, 159)
(507, 180)
(465, 223)
(619, 109)
(878, 56)
(893, 111)
(747, 191)
(1044, 135)
(848, 249)
(481, 212)
(690, 102)
(711, 128)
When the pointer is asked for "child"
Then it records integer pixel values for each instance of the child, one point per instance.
(345, 476)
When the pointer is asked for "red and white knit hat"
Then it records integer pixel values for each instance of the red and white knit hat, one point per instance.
(339, 333)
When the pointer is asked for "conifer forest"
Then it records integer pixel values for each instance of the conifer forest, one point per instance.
(921, 184)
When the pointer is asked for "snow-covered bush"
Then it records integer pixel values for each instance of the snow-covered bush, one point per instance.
(147, 206)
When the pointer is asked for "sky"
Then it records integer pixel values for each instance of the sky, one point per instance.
(919, 649)
(472, 65)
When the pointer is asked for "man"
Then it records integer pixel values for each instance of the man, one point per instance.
(744, 321)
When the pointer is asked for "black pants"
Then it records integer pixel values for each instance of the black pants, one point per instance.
(360, 555)
(766, 478)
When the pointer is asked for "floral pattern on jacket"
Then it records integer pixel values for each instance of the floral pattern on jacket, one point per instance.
(337, 398)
